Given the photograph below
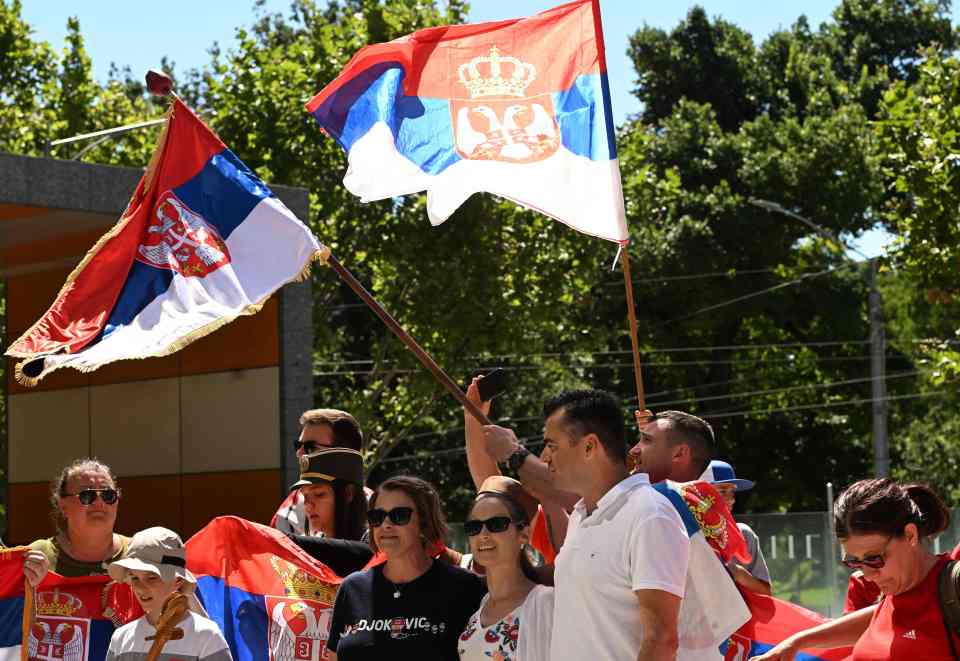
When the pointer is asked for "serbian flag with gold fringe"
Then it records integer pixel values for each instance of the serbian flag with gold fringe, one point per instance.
(64, 619)
(518, 108)
(271, 599)
(202, 241)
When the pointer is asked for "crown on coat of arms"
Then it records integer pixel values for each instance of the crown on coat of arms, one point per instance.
(300, 584)
(58, 603)
(484, 76)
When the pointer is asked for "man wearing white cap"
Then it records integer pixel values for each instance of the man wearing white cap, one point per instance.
(156, 568)
(754, 576)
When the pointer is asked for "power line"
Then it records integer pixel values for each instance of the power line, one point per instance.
(528, 441)
(804, 407)
(592, 366)
(624, 352)
(733, 273)
(768, 290)
(773, 391)
(692, 400)
(746, 413)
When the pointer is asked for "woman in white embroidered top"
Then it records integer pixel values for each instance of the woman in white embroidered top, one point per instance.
(515, 618)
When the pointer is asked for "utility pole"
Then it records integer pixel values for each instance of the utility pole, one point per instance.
(878, 341)
(878, 377)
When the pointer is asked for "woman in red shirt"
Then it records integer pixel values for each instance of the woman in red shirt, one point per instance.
(881, 524)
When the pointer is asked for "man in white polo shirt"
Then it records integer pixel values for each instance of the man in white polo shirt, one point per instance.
(615, 599)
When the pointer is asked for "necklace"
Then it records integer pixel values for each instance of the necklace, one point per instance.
(397, 593)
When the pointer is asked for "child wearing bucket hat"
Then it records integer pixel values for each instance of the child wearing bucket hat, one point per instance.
(156, 568)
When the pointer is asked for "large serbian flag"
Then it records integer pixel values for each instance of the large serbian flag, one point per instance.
(203, 240)
(518, 108)
(272, 601)
(66, 619)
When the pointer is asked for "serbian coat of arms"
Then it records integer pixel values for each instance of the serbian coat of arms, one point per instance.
(499, 122)
(300, 620)
(61, 632)
(181, 240)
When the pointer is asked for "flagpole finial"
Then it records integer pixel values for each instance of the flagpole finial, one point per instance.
(159, 83)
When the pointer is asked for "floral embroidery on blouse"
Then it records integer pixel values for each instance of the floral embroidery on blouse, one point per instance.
(500, 638)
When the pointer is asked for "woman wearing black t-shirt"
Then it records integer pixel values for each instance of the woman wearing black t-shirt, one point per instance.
(411, 606)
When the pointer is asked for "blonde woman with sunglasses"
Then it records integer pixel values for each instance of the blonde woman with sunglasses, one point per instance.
(85, 499)
(881, 526)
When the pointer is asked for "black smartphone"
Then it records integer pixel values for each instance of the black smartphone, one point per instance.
(492, 384)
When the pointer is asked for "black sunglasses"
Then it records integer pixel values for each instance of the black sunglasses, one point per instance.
(493, 524)
(876, 561)
(306, 446)
(399, 516)
(88, 496)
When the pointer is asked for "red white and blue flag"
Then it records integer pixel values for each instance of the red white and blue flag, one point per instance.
(203, 241)
(272, 600)
(712, 608)
(773, 620)
(517, 108)
(72, 618)
(748, 624)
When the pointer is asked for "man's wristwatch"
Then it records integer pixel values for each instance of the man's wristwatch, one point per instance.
(515, 460)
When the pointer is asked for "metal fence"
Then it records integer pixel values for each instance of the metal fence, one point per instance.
(802, 554)
(804, 557)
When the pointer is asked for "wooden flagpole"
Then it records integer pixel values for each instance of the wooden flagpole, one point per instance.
(625, 256)
(391, 323)
(632, 316)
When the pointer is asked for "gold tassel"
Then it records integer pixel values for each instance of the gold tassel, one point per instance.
(23, 379)
(29, 617)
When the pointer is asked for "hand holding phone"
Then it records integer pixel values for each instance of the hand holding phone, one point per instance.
(492, 384)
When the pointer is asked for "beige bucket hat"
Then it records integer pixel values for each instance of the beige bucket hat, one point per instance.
(161, 551)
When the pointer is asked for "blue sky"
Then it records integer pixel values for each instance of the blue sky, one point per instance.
(139, 34)
(125, 32)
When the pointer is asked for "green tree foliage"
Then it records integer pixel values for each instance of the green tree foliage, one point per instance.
(788, 120)
(920, 136)
(45, 97)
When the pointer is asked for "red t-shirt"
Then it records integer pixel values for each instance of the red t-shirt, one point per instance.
(540, 537)
(860, 593)
(908, 626)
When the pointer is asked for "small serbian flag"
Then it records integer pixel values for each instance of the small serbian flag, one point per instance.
(712, 609)
(74, 620)
(203, 241)
(517, 108)
(772, 621)
(272, 601)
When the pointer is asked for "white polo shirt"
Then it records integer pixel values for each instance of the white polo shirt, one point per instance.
(606, 556)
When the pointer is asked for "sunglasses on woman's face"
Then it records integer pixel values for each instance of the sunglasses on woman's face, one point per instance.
(493, 524)
(876, 561)
(88, 496)
(399, 516)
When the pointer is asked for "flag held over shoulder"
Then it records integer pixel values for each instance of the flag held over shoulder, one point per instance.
(517, 108)
(202, 241)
